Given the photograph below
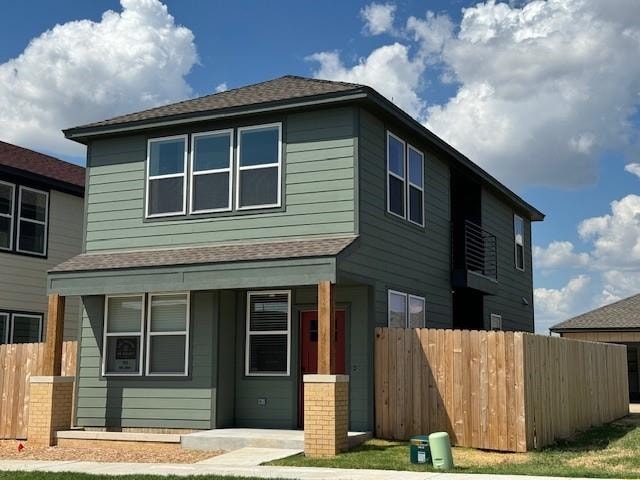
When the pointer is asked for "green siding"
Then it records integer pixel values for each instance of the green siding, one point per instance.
(513, 284)
(171, 402)
(318, 193)
(392, 253)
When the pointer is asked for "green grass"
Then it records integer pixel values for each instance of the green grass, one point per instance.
(611, 451)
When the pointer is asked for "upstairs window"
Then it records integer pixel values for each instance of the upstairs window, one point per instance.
(415, 160)
(405, 180)
(166, 176)
(395, 175)
(518, 234)
(268, 333)
(211, 157)
(7, 195)
(32, 221)
(259, 167)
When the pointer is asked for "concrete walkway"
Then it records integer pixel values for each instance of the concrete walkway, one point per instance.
(250, 456)
(301, 473)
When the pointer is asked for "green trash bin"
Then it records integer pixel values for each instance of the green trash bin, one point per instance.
(441, 450)
(419, 452)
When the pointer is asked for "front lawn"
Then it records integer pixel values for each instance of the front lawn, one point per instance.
(611, 451)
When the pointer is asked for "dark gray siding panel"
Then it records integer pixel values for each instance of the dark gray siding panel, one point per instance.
(513, 284)
(391, 253)
(152, 401)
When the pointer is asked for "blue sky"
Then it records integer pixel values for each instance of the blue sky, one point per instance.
(542, 94)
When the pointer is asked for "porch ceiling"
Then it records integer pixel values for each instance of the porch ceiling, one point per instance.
(255, 265)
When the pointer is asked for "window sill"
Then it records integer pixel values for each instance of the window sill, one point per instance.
(213, 215)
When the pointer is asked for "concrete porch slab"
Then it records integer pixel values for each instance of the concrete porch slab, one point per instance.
(235, 438)
(118, 436)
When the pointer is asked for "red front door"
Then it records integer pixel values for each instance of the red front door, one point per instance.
(309, 350)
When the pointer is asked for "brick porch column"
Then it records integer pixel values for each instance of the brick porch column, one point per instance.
(326, 415)
(326, 395)
(51, 395)
(50, 404)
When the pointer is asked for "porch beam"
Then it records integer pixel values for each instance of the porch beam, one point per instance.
(326, 328)
(53, 341)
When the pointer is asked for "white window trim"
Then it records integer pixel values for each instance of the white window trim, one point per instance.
(411, 184)
(498, 318)
(29, 315)
(515, 242)
(175, 332)
(406, 306)
(228, 170)
(184, 137)
(10, 215)
(404, 179)
(424, 309)
(269, 332)
(139, 334)
(5, 334)
(38, 222)
(261, 166)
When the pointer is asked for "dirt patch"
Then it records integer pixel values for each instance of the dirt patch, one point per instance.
(9, 450)
(468, 456)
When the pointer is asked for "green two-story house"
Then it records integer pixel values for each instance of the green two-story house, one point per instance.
(209, 224)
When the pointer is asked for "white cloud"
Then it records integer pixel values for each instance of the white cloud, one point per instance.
(633, 168)
(544, 88)
(431, 33)
(389, 69)
(378, 18)
(222, 87)
(559, 255)
(84, 71)
(553, 305)
(620, 284)
(615, 236)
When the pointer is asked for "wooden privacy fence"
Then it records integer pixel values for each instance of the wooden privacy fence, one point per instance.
(508, 391)
(18, 362)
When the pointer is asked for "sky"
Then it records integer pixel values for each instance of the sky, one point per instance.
(542, 94)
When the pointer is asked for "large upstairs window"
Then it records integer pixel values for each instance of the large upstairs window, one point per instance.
(7, 195)
(259, 166)
(405, 180)
(211, 170)
(219, 181)
(33, 209)
(167, 176)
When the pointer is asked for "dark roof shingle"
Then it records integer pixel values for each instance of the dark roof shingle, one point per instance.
(317, 247)
(623, 314)
(26, 160)
(283, 88)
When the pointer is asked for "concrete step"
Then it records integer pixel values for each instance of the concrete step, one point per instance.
(229, 439)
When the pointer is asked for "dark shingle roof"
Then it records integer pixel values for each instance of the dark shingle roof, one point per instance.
(623, 314)
(284, 88)
(317, 247)
(26, 160)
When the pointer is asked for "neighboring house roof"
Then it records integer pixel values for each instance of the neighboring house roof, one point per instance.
(623, 314)
(316, 247)
(280, 94)
(24, 162)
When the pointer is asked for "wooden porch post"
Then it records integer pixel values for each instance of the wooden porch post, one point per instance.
(53, 340)
(326, 329)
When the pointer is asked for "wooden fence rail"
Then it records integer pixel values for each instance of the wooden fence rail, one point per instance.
(494, 390)
(18, 362)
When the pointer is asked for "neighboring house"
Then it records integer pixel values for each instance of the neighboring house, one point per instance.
(618, 322)
(41, 205)
(211, 222)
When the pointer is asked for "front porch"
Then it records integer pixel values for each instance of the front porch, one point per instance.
(235, 352)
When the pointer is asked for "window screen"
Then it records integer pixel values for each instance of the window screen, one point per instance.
(4, 328)
(397, 309)
(518, 232)
(168, 334)
(26, 328)
(416, 312)
(259, 166)
(32, 221)
(268, 330)
(122, 353)
(7, 194)
(211, 171)
(395, 175)
(166, 176)
(416, 186)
